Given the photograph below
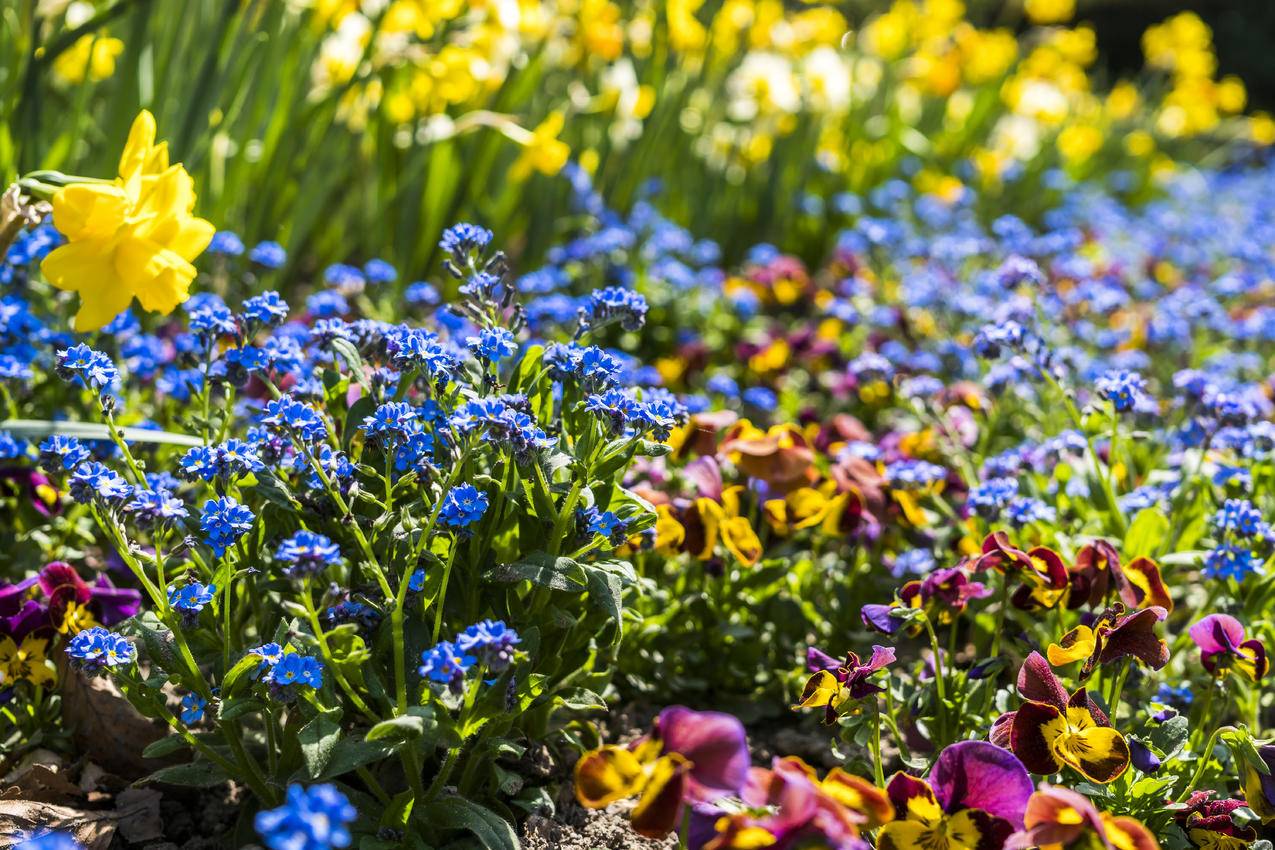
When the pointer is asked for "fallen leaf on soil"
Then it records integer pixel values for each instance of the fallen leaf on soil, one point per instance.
(39, 784)
(94, 830)
(136, 817)
(138, 810)
(106, 727)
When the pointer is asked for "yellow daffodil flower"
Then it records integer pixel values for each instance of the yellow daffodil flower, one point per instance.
(542, 151)
(91, 57)
(134, 237)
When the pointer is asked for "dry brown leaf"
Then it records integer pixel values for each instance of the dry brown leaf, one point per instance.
(105, 726)
(39, 784)
(138, 810)
(94, 830)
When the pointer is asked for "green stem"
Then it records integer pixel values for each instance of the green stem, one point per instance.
(877, 767)
(1206, 755)
(442, 590)
(1117, 688)
(1113, 514)
(940, 686)
(312, 615)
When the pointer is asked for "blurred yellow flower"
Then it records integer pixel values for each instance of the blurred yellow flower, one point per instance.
(1231, 95)
(1261, 128)
(599, 31)
(1078, 142)
(1049, 11)
(134, 237)
(889, 35)
(985, 54)
(542, 151)
(1139, 144)
(91, 57)
(1183, 44)
(1123, 100)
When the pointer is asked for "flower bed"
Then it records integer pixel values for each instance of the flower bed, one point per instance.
(942, 521)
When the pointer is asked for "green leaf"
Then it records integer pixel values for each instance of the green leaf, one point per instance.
(349, 754)
(157, 640)
(492, 831)
(527, 369)
(1145, 533)
(165, 746)
(1242, 747)
(581, 699)
(318, 739)
(237, 707)
(236, 675)
(360, 410)
(540, 568)
(1170, 736)
(199, 774)
(34, 429)
(606, 594)
(346, 349)
(417, 723)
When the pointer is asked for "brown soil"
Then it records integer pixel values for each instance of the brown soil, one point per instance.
(577, 828)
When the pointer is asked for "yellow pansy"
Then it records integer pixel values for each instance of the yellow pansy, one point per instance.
(131, 238)
(669, 531)
(25, 662)
(76, 619)
(723, 521)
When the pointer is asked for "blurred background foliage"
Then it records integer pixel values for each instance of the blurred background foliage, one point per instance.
(349, 129)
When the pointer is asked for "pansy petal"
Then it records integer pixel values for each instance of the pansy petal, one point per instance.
(859, 794)
(1217, 633)
(1134, 634)
(979, 775)
(1054, 817)
(13, 596)
(821, 689)
(977, 830)
(881, 656)
(1077, 645)
(658, 811)
(714, 742)
(606, 775)
(740, 539)
(1099, 752)
(1037, 682)
(1251, 659)
(1081, 699)
(1037, 725)
(910, 793)
(817, 659)
(1142, 585)
(1130, 834)
(878, 617)
(1000, 733)
(909, 835)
